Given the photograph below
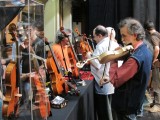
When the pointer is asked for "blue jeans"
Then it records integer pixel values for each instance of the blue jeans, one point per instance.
(25, 91)
(140, 112)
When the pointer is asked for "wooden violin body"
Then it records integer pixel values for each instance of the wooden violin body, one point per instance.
(72, 56)
(115, 55)
(38, 86)
(41, 99)
(12, 73)
(57, 79)
(84, 45)
(75, 70)
(11, 96)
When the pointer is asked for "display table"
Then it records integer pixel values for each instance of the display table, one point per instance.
(79, 107)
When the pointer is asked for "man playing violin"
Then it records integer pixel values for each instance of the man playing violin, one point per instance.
(101, 70)
(130, 80)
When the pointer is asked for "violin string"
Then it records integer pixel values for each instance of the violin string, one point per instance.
(64, 57)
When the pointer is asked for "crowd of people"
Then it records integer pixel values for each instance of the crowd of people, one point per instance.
(119, 89)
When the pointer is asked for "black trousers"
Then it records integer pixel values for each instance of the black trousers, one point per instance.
(101, 107)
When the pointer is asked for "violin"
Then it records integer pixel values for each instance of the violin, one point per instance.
(41, 99)
(108, 56)
(75, 70)
(57, 79)
(84, 44)
(10, 103)
(72, 56)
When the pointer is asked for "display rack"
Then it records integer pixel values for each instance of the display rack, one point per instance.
(21, 13)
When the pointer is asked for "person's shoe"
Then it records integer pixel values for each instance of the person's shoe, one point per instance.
(140, 115)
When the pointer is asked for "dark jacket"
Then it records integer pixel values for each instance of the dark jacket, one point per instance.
(39, 49)
(129, 97)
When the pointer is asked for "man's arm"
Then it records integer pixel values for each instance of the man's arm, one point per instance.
(119, 76)
(155, 54)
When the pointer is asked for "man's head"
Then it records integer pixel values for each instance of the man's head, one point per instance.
(13, 31)
(37, 28)
(149, 25)
(12, 27)
(131, 30)
(99, 33)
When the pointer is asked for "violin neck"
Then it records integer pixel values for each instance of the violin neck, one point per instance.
(73, 50)
(54, 58)
(92, 58)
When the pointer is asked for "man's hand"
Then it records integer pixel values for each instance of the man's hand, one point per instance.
(103, 81)
(154, 61)
(88, 55)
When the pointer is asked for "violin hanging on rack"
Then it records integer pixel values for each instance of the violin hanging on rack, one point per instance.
(84, 44)
(40, 97)
(57, 79)
(12, 81)
(72, 56)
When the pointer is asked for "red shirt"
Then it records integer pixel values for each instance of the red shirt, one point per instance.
(119, 76)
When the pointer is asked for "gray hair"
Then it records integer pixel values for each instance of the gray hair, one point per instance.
(111, 32)
(134, 27)
(101, 30)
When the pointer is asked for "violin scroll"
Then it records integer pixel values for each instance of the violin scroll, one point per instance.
(65, 32)
(76, 30)
(127, 48)
(81, 64)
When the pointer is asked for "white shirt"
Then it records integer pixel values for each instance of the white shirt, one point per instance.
(97, 69)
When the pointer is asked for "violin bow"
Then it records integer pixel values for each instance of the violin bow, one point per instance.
(107, 99)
